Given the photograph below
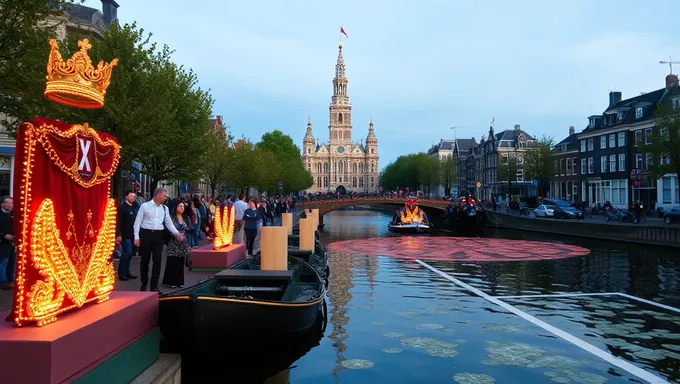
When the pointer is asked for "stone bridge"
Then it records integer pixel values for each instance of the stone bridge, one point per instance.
(326, 206)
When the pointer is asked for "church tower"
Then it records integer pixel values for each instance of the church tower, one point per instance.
(372, 181)
(340, 110)
(308, 143)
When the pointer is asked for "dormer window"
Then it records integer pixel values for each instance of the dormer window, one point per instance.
(619, 116)
(676, 102)
(592, 123)
(638, 112)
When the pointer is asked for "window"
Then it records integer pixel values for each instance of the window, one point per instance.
(648, 136)
(504, 159)
(612, 163)
(612, 141)
(591, 146)
(562, 167)
(666, 186)
(318, 182)
(622, 162)
(591, 165)
(638, 161)
(638, 112)
(568, 166)
(618, 194)
(583, 166)
(648, 160)
(603, 142)
(665, 159)
(557, 169)
(622, 139)
(583, 145)
(638, 138)
(676, 102)
(619, 116)
(520, 175)
(592, 123)
(603, 164)
(574, 164)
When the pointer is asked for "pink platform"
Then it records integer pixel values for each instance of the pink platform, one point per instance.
(77, 340)
(207, 257)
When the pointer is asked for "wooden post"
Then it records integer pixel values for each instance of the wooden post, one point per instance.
(307, 234)
(287, 221)
(315, 214)
(274, 249)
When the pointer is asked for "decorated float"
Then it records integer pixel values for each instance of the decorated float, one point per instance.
(410, 219)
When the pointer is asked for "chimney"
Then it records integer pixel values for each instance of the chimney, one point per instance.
(517, 128)
(671, 81)
(614, 97)
(571, 130)
(110, 11)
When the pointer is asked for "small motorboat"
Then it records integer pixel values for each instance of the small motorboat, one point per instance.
(466, 217)
(410, 219)
(240, 302)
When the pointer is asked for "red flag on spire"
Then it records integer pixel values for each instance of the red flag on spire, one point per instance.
(343, 32)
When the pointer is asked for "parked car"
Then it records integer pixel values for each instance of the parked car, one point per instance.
(672, 215)
(544, 210)
(569, 212)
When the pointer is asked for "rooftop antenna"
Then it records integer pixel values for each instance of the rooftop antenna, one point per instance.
(670, 63)
(454, 131)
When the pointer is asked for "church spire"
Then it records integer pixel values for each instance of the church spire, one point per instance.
(340, 64)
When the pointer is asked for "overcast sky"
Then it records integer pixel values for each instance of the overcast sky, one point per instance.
(416, 67)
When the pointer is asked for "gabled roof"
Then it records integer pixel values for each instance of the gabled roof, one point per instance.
(627, 109)
(84, 14)
(570, 141)
(508, 138)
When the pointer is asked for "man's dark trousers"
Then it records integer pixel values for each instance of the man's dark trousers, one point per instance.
(150, 249)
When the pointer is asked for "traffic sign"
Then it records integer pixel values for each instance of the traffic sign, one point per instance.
(637, 182)
(636, 174)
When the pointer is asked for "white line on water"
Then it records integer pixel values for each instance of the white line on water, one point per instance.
(553, 295)
(616, 361)
(664, 306)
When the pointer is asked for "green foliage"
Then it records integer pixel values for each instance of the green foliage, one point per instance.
(539, 161)
(665, 142)
(447, 173)
(287, 165)
(412, 171)
(24, 50)
(507, 170)
(217, 159)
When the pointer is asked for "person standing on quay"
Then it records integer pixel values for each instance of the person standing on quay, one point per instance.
(7, 252)
(252, 218)
(153, 217)
(125, 234)
(178, 250)
(240, 207)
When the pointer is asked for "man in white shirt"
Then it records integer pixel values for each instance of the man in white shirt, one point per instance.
(240, 207)
(153, 217)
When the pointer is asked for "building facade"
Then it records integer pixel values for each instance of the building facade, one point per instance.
(611, 151)
(565, 184)
(440, 152)
(461, 150)
(341, 165)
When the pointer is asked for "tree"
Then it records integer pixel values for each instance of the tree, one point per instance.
(291, 170)
(507, 171)
(539, 161)
(447, 173)
(24, 50)
(665, 142)
(216, 159)
(428, 171)
(410, 171)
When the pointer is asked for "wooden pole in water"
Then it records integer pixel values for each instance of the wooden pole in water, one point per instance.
(287, 221)
(307, 234)
(274, 249)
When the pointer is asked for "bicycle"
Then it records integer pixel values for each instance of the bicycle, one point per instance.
(587, 213)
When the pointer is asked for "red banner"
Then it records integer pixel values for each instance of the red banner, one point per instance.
(64, 219)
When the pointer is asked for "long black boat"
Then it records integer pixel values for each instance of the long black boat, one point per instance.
(317, 258)
(240, 302)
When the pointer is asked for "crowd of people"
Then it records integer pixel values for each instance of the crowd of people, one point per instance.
(145, 227)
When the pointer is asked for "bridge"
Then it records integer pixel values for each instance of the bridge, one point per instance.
(325, 206)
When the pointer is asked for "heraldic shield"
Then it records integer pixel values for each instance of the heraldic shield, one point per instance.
(65, 220)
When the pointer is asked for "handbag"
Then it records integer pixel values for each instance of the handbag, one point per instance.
(167, 235)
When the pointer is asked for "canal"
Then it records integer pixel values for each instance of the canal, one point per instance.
(395, 320)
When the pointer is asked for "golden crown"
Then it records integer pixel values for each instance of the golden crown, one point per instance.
(75, 82)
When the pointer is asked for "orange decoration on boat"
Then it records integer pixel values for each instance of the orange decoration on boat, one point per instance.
(224, 227)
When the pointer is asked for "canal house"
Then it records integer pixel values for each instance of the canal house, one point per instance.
(612, 163)
(565, 183)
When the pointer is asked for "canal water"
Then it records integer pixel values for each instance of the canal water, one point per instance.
(392, 320)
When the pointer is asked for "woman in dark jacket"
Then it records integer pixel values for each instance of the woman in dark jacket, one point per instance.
(178, 251)
(251, 216)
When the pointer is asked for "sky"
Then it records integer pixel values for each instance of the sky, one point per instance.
(416, 67)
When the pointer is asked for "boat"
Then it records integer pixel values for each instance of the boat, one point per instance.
(466, 216)
(240, 302)
(410, 219)
(317, 258)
